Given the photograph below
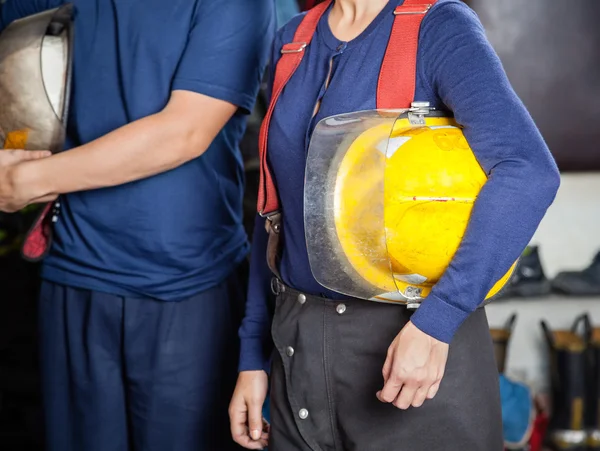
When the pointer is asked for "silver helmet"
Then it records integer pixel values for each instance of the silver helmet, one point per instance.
(35, 77)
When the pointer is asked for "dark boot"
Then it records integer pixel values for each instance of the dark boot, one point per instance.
(579, 283)
(529, 279)
(567, 369)
(593, 390)
(501, 337)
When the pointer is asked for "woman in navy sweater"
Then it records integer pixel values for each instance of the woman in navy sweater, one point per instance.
(439, 389)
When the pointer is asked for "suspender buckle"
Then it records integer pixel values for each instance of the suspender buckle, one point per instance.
(294, 47)
(412, 9)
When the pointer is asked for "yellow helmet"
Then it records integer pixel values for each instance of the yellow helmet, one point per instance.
(407, 191)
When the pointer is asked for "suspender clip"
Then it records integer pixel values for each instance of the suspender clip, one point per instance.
(294, 47)
(412, 9)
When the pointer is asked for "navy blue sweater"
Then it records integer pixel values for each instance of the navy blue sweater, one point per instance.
(457, 70)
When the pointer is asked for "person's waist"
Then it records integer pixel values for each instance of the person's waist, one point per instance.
(147, 282)
(280, 288)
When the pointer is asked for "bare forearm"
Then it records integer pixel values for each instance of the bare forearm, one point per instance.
(141, 149)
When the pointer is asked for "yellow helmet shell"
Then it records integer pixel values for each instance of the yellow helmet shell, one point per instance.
(430, 184)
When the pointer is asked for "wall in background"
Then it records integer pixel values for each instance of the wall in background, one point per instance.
(550, 52)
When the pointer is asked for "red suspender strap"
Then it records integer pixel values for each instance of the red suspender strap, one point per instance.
(291, 57)
(395, 88)
(397, 78)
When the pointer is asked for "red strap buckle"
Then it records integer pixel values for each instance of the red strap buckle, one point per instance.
(293, 47)
(413, 9)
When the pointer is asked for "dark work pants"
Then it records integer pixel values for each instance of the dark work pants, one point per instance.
(123, 374)
(327, 368)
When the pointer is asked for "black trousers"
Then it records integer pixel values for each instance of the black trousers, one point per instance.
(327, 368)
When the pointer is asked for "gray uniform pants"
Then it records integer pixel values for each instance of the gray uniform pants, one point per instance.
(327, 369)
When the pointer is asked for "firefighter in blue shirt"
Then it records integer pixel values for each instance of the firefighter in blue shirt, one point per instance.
(143, 286)
(351, 374)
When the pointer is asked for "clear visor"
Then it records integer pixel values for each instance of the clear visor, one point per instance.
(35, 65)
(344, 204)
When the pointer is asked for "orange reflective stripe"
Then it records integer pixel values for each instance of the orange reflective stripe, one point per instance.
(16, 139)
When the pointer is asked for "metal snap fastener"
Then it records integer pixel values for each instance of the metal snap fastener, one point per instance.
(341, 308)
(301, 298)
(54, 218)
(303, 414)
(289, 351)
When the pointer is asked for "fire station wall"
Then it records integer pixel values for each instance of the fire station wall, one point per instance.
(569, 237)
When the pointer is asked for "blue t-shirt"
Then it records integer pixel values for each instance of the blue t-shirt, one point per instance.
(180, 232)
(457, 70)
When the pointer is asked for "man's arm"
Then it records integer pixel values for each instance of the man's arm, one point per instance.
(182, 131)
(218, 74)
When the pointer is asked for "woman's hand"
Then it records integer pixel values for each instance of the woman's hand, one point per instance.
(413, 369)
(14, 194)
(248, 427)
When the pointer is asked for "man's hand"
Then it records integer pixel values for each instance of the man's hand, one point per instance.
(413, 369)
(248, 428)
(13, 194)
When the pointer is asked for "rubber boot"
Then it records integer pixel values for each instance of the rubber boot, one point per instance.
(579, 283)
(501, 338)
(567, 379)
(593, 390)
(529, 279)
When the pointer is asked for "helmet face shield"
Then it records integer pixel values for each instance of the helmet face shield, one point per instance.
(343, 203)
(387, 202)
(35, 72)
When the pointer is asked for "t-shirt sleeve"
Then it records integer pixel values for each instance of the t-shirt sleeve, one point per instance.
(227, 50)
(467, 75)
(17, 9)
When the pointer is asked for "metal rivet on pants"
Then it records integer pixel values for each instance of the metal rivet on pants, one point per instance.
(301, 298)
(289, 351)
(303, 414)
(341, 308)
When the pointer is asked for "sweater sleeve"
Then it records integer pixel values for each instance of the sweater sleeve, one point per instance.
(463, 70)
(255, 330)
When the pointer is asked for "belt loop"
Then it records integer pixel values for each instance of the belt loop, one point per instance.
(277, 287)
